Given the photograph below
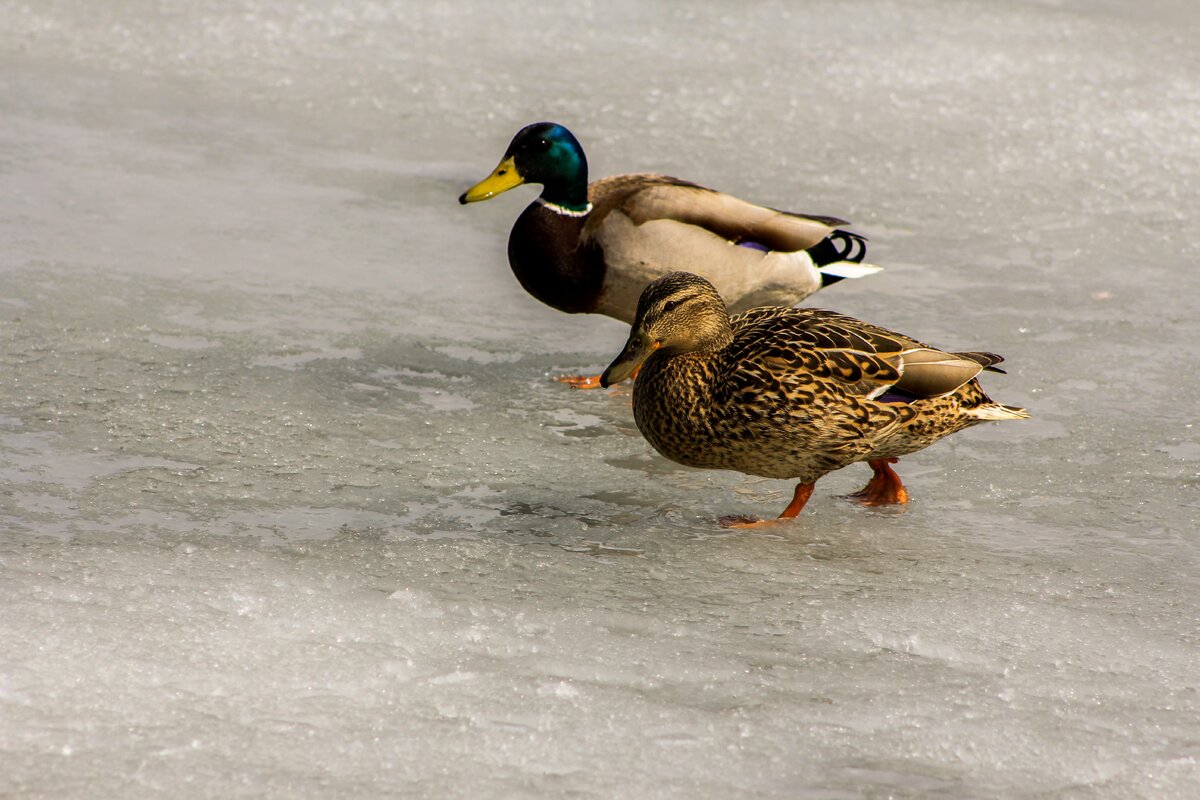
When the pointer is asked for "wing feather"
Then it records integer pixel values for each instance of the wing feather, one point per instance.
(865, 359)
(646, 197)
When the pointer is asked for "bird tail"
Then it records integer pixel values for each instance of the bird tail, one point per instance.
(840, 255)
(986, 360)
(996, 411)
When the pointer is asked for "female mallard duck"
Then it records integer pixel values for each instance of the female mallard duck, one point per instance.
(593, 248)
(791, 392)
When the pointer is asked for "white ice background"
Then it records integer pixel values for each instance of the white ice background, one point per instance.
(290, 507)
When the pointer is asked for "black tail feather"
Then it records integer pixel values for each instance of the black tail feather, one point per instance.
(839, 245)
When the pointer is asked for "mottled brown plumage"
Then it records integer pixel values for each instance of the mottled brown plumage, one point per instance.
(791, 393)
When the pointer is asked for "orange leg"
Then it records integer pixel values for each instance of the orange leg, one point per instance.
(799, 499)
(586, 381)
(885, 487)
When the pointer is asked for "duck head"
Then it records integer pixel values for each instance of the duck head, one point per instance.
(545, 153)
(678, 313)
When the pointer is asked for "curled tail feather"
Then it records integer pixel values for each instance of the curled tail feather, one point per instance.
(839, 245)
(840, 255)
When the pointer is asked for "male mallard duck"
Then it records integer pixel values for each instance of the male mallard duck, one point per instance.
(593, 248)
(791, 392)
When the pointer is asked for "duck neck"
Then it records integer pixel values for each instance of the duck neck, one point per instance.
(569, 197)
(565, 211)
(693, 366)
(718, 337)
(698, 359)
(549, 260)
(673, 395)
(566, 189)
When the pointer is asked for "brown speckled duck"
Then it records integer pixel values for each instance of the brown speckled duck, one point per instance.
(592, 248)
(791, 392)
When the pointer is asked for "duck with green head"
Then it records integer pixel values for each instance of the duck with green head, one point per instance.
(592, 248)
(792, 392)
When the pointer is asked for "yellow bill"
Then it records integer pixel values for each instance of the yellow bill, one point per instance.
(503, 178)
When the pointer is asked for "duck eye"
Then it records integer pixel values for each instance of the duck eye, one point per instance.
(670, 306)
(543, 144)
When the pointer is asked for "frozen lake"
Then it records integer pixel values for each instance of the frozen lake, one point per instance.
(289, 506)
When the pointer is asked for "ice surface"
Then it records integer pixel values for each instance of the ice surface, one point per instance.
(289, 507)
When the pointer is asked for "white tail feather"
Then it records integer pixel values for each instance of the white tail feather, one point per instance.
(849, 269)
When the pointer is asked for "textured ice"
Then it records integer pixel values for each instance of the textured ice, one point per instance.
(290, 507)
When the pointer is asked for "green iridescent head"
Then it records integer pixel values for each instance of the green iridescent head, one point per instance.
(545, 153)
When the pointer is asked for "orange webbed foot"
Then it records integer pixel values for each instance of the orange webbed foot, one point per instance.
(580, 381)
(885, 487)
(587, 381)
